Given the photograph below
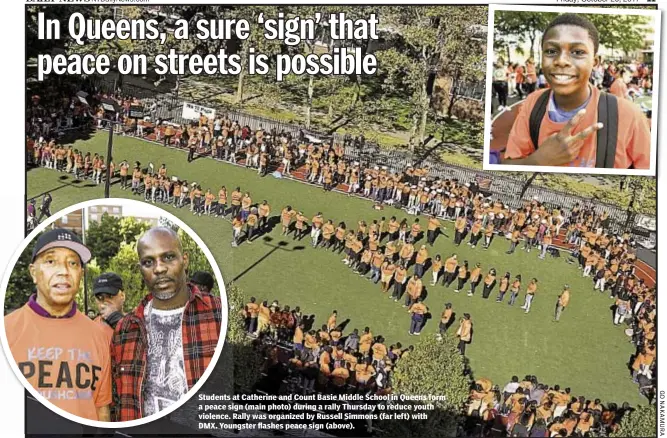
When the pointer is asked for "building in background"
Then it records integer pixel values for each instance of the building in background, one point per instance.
(96, 212)
(72, 221)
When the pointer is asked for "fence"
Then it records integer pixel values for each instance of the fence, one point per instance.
(502, 187)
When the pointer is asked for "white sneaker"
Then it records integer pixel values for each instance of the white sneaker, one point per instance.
(500, 108)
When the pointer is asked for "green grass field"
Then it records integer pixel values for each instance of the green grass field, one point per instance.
(584, 351)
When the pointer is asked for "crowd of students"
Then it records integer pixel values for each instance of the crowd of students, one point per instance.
(325, 359)
(607, 258)
(533, 408)
(624, 80)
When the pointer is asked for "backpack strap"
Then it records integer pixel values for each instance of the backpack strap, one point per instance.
(607, 136)
(536, 116)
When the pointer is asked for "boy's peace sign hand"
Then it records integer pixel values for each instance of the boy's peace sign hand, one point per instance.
(563, 147)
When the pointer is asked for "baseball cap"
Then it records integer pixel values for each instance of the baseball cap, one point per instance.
(61, 238)
(203, 278)
(108, 283)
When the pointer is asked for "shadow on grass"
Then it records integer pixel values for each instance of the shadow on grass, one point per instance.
(279, 246)
(76, 183)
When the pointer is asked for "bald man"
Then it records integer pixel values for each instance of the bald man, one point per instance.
(160, 350)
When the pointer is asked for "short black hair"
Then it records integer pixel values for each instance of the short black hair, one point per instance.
(579, 21)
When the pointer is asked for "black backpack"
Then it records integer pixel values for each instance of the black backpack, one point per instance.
(606, 137)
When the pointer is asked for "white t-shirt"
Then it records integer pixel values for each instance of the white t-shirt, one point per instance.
(166, 381)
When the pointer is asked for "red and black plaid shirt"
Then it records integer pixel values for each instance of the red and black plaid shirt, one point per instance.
(202, 319)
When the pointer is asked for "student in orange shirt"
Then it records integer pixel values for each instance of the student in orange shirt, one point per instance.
(475, 278)
(252, 311)
(546, 244)
(618, 87)
(464, 333)
(567, 135)
(286, 217)
(433, 230)
(446, 319)
(237, 226)
(400, 277)
(504, 286)
(418, 311)
(562, 302)
(530, 294)
(489, 283)
(451, 264)
(414, 290)
(436, 267)
(364, 372)
(462, 276)
(514, 290)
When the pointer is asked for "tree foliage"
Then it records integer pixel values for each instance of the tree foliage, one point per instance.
(428, 40)
(126, 264)
(248, 360)
(622, 32)
(435, 367)
(638, 423)
(20, 285)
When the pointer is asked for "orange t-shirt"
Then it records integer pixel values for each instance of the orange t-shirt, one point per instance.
(633, 144)
(106, 328)
(67, 360)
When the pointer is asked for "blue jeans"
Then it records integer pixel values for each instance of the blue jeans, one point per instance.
(375, 274)
(419, 270)
(416, 323)
(513, 296)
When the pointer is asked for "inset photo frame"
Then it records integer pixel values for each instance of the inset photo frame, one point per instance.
(115, 313)
(565, 94)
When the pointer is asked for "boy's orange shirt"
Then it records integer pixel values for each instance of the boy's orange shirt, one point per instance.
(67, 360)
(633, 144)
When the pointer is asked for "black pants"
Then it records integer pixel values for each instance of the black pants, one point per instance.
(500, 87)
(191, 154)
(473, 286)
(250, 232)
(449, 278)
(487, 290)
(123, 181)
(430, 236)
(45, 212)
(474, 238)
(458, 238)
(462, 347)
(263, 221)
(529, 88)
(462, 281)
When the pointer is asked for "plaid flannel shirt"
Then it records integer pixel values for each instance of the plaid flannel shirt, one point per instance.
(202, 319)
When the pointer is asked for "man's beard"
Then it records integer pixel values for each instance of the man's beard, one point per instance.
(166, 295)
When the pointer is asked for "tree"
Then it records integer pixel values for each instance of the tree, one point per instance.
(197, 259)
(93, 270)
(522, 25)
(20, 285)
(623, 32)
(425, 41)
(125, 263)
(104, 238)
(434, 367)
(638, 423)
(248, 360)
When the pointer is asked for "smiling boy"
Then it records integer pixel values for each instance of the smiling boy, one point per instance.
(569, 129)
